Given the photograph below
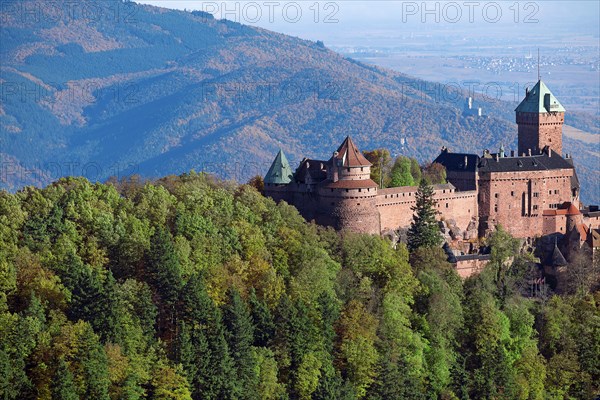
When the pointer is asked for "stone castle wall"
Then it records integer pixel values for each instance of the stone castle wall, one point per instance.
(516, 200)
(470, 266)
(394, 206)
(538, 130)
(349, 209)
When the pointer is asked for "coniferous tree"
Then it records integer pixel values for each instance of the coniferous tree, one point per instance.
(240, 335)
(424, 230)
(163, 266)
(215, 375)
(93, 365)
(62, 384)
(263, 320)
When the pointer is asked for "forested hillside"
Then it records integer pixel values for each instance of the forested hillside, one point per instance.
(194, 288)
(102, 88)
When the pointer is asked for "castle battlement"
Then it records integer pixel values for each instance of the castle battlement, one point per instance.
(515, 191)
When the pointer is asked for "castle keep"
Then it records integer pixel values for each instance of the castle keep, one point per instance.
(531, 194)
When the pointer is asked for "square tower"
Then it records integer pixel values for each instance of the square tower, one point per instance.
(540, 118)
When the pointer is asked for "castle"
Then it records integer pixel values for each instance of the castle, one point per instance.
(532, 193)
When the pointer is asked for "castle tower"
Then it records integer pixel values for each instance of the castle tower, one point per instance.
(278, 177)
(540, 119)
(348, 194)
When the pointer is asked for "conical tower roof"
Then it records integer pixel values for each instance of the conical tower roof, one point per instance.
(557, 259)
(280, 172)
(350, 155)
(539, 99)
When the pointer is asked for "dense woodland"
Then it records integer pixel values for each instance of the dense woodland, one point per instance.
(193, 288)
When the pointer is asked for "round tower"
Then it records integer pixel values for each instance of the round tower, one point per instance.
(348, 195)
(573, 217)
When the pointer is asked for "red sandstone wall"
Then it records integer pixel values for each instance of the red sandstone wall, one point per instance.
(516, 200)
(394, 206)
(539, 130)
(553, 224)
(593, 221)
(467, 268)
(349, 209)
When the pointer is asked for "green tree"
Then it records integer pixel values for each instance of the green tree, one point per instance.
(434, 174)
(62, 384)
(401, 173)
(263, 320)
(415, 170)
(240, 335)
(424, 230)
(382, 165)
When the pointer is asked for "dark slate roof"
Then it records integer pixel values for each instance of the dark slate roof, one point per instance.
(316, 169)
(456, 161)
(556, 259)
(574, 178)
(489, 163)
(280, 172)
(541, 162)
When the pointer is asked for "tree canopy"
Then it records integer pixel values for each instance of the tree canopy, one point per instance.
(192, 288)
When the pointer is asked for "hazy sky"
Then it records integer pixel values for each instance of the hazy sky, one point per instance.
(330, 20)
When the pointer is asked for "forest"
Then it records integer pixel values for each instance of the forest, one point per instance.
(188, 287)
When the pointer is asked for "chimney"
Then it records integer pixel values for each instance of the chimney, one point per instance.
(466, 161)
(529, 152)
(497, 157)
(527, 91)
(549, 152)
(512, 153)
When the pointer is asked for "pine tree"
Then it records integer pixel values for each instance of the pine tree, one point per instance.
(62, 384)
(215, 372)
(163, 266)
(424, 230)
(263, 321)
(240, 335)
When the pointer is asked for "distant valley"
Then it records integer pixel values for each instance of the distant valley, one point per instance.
(155, 92)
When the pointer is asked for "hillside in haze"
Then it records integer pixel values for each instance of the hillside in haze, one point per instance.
(113, 88)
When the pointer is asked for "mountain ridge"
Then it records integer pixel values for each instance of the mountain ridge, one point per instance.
(173, 91)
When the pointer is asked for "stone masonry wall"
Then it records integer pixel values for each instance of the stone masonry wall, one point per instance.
(516, 200)
(539, 130)
(394, 206)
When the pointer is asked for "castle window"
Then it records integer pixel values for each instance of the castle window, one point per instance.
(358, 204)
(512, 193)
(495, 208)
(536, 194)
(360, 190)
(348, 169)
(496, 195)
(361, 169)
(346, 190)
(446, 205)
(549, 191)
(535, 207)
